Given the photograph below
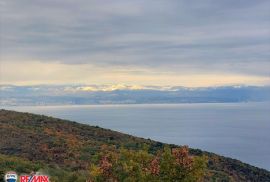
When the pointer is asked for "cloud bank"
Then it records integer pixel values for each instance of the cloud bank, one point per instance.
(183, 40)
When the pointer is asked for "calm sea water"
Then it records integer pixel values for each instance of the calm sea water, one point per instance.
(240, 130)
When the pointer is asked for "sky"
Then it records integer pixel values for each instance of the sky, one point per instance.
(155, 42)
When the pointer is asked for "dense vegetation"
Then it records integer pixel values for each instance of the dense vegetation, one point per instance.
(129, 165)
(70, 151)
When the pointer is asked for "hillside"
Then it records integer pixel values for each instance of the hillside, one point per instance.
(65, 149)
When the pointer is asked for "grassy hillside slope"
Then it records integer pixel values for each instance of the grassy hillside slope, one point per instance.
(65, 149)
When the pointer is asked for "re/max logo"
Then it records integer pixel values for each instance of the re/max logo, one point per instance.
(34, 178)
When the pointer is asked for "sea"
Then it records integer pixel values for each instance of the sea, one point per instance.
(237, 130)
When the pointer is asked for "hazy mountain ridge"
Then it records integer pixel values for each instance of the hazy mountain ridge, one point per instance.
(124, 94)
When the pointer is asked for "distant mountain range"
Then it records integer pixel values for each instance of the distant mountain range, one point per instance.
(128, 94)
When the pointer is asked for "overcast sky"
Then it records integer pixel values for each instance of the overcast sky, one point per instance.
(168, 42)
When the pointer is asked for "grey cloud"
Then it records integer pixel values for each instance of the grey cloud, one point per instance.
(202, 36)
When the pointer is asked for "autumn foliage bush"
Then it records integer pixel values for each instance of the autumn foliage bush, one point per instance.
(130, 166)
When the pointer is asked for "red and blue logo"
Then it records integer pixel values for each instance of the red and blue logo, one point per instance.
(11, 176)
(34, 178)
